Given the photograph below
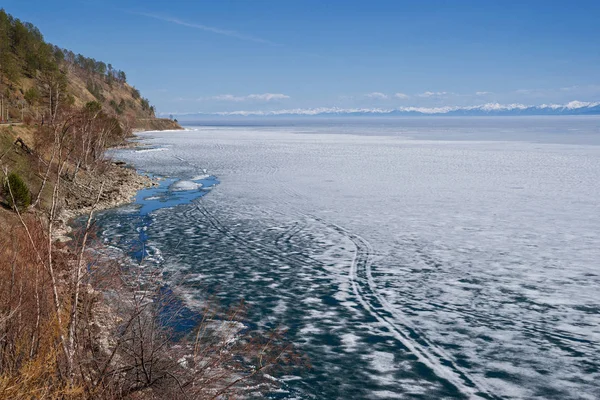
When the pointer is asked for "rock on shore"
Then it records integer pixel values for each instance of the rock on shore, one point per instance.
(119, 186)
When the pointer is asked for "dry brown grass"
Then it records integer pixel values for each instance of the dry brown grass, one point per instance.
(77, 324)
(29, 361)
(124, 345)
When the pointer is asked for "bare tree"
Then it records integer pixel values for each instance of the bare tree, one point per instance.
(75, 323)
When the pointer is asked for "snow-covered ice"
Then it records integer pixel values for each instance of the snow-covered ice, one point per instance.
(417, 257)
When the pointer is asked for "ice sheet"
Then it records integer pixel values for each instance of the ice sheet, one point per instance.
(436, 258)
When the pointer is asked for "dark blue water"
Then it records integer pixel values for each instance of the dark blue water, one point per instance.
(163, 195)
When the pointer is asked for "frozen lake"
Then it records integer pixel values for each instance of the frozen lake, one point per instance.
(410, 258)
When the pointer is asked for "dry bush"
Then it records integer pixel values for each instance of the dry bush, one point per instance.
(79, 323)
(124, 345)
(30, 362)
(146, 358)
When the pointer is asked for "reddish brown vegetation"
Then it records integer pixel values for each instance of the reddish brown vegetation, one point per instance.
(76, 323)
(110, 336)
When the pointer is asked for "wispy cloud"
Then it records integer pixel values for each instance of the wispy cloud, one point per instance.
(482, 93)
(225, 97)
(206, 28)
(433, 94)
(261, 97)
(268, 96)
(265, 97)
(383, 96)
(377, 95)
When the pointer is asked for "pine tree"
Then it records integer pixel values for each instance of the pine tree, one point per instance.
(16, 192)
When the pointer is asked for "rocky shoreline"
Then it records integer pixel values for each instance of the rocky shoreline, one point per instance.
(119, 186)
(118, 182)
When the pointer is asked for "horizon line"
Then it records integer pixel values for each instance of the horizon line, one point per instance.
(486, 107)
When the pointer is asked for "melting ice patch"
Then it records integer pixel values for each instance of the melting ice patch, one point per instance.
(185, 185)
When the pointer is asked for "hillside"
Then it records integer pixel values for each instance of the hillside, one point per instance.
(38, 79)
(44, 90)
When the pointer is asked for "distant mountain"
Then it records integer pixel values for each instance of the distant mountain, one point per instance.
(571, 108)
(489, 109)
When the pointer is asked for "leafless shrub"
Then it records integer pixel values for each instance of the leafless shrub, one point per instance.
(76, 323)
(148, 359)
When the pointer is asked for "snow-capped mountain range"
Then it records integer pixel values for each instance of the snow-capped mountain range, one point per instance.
(571, 108)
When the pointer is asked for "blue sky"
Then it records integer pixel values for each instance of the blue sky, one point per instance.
(227, 55)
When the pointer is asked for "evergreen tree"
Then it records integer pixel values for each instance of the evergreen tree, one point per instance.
(16, 192)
